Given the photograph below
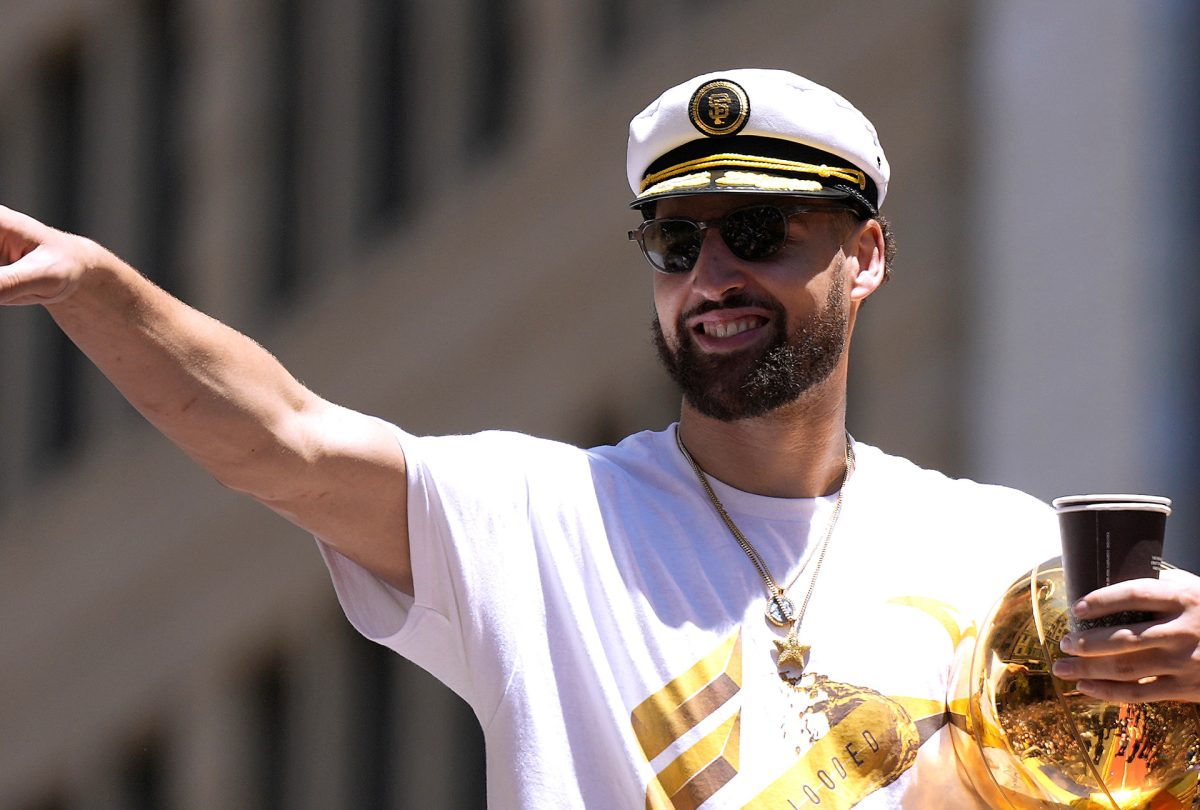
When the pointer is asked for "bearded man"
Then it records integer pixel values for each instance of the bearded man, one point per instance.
(747, 609)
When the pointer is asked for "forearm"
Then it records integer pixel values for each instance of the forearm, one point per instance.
(213, 391)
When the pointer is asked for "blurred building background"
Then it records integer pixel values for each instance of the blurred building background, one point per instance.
(420, 206)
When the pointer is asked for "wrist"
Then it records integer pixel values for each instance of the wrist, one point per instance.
(97, 278)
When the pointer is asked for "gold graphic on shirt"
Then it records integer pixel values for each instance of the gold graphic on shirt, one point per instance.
(849, 740)
(675, 709)
(945, 614)
(679, 707)
(700, 771)
(860, 741)
(958, 628)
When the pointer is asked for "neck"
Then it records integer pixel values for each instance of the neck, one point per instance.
(798, 451)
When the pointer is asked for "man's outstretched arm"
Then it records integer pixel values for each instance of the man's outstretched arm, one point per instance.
(220, 396)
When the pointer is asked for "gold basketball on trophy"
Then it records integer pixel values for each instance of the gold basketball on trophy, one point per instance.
(1027, 739)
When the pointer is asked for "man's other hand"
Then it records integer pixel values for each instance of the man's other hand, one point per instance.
(1154, 660)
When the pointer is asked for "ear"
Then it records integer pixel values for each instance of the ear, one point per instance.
(865, 249)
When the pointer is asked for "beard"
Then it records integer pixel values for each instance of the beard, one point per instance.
(757, 380)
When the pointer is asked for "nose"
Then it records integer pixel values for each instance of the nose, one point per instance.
(717, 272)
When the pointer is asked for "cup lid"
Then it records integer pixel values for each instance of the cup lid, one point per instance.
(1115, 507)
(1067, 500)
(1112, 502)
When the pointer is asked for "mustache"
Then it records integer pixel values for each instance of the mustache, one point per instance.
(733, 302)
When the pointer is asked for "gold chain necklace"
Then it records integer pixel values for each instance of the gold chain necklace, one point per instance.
(780, 611)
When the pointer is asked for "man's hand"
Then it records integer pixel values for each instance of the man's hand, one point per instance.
(39, 265)
(1155, 660)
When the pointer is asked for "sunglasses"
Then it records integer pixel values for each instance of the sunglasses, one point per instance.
(753, 233)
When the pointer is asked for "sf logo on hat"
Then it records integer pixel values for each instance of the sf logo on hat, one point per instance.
(719, 107)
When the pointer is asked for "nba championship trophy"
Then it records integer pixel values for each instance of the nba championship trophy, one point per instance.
(1027, 739)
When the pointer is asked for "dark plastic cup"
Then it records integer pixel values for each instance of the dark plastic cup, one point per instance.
(1108, 539)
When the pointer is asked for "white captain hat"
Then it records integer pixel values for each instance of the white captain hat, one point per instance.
(755, 131)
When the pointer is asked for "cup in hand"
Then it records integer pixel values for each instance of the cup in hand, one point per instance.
(1108, 539)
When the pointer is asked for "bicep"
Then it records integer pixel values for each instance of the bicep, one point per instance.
(351, 489)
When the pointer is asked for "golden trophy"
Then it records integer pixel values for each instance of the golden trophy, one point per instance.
(1027, 739)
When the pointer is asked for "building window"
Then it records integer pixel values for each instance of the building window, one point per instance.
(445, 730)
(143, 777)
(609, 32)
(287, 268)
(5, 157)
(387, 113)
(6, 417)
(270, 732)
(161, 161)
(413, 743)
(58, 379)
(372, 724)
(471, 785)
(493, 92)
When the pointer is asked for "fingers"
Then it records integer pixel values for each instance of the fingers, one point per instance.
(1117, 640)
(1171, 595)
(1138, 677)
(1177, 637)
(38, 265)
(1163, 687)
(19, 234)
(12, 220)
(1128, 667)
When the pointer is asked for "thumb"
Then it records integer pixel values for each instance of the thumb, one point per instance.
(19, 235)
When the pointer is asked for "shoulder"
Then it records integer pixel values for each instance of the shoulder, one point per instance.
(645, 448)
(500, 458)
(893, 477)
(505, 447)
(493, 465)
(647, 462)
(969, 519)
(989, 534)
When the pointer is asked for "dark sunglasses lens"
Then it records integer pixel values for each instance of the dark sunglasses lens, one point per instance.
(755, 232)
(672, 245)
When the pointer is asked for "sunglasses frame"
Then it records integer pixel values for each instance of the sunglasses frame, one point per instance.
(787, 211)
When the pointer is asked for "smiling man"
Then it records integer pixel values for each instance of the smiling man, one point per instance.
(747, 609)
(735, 354)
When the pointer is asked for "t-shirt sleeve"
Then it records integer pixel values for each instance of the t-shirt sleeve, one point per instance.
(417, 626)
(474, 560)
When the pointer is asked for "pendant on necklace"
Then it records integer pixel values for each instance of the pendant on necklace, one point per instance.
(780, 610)
(792, 651)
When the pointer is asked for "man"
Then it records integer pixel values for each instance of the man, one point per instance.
(748, 609)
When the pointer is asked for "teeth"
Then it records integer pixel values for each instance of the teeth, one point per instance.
(730, 328)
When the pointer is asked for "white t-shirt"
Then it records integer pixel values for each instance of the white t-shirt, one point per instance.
(593, 609)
